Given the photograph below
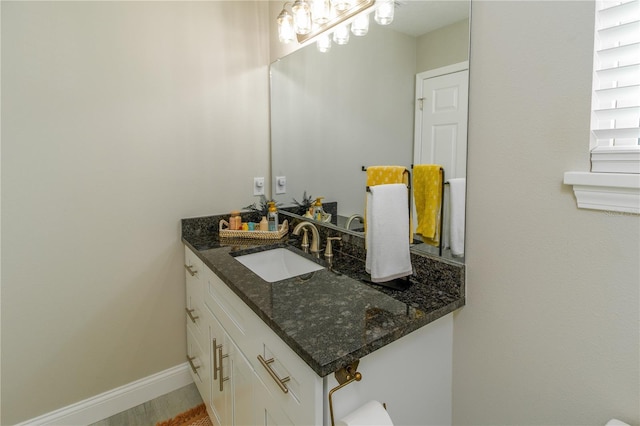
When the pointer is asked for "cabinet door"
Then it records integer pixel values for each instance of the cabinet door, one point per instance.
(241, 376)
(268, 410)
(220, 400)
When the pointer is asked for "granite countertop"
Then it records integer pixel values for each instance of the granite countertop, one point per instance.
(329, 319)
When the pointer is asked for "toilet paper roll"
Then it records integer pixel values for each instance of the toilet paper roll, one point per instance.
(616, 422)
(370, 414)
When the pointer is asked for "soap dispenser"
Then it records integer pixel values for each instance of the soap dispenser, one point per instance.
(272, 216)
(318, 211)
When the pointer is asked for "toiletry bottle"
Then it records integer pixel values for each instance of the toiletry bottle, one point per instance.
(318, 211)
(235, 221)
(272, 216)
(264, 225)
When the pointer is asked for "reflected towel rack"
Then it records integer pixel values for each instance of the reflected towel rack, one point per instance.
(441, 232)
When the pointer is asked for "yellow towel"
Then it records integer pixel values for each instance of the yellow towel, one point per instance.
(382, 175)
(427, 193)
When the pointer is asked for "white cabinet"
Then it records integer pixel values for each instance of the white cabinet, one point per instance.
(247, 375)
(226, 342)
(197, 336)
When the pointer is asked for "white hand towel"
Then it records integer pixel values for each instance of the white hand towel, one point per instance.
(457, 189)
(387, 240)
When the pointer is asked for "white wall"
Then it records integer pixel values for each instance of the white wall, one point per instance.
(444, 46)
(118, 120)
(550, 333)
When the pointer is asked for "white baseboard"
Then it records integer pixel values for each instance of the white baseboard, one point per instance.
(117, 400)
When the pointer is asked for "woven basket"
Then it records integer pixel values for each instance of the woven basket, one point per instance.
(259, 235)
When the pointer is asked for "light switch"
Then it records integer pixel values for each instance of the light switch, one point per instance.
(281, 184)
(258, 186)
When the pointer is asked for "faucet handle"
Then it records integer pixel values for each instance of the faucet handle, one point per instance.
(305, 240)
(328, 251)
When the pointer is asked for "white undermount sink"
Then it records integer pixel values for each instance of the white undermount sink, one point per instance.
(278, 264)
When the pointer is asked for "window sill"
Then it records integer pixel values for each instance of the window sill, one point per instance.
(618, 192)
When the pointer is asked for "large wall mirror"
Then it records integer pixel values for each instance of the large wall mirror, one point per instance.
(356, 105)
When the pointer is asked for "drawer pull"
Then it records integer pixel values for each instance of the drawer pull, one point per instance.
(281, 382)
(191, 317)
(215, 359)
(193, 366)
(222, 378)
(190, 270)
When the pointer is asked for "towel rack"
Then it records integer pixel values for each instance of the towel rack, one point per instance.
(441, 237)
(406, 173)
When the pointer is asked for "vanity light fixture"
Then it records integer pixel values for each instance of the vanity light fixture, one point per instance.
(317, 18)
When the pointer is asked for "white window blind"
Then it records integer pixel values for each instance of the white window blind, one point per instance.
(615, 120)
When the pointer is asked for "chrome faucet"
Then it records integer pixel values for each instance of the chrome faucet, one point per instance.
(315, 236)
(352, 218)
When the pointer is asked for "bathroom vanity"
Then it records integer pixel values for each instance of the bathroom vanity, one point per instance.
(266, 352)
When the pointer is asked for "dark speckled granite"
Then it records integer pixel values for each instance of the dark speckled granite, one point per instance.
(330, 318)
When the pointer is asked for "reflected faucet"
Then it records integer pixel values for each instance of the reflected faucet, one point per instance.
(315, 236)
(352, 218)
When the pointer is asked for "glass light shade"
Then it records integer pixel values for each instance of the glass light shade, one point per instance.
(323, 43)
(286, 33)
(320, 11)
(360, 25)
(384, 12)
(301, 16)
(341, 5)
(341, 34)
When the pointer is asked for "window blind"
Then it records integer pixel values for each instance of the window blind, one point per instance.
(615, 120)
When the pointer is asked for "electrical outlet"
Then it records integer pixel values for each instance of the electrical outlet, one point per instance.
(258, 186)
(281, 185)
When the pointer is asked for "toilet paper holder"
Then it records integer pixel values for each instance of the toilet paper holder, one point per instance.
(344, 376)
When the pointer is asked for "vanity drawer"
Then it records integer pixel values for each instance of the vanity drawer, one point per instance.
(235, 316)
(198, 360)
(194, 269)
(288, 379)
(192, 264)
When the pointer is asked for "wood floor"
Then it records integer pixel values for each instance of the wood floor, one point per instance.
(151, 412)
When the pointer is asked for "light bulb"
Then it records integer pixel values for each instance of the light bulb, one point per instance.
(341, 34)
(285, 27)
(323, 43)
(301, 16)
(360, 25)
(320, 11)
(384, 12)
(342, 5)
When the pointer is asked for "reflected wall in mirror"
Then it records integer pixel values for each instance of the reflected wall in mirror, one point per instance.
(333, 113)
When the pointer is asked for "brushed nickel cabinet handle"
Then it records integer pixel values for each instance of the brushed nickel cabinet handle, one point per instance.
(193, 366)
(190, 270)
(191, 316)
(281, 382)
(222, 378)
(215, 359)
